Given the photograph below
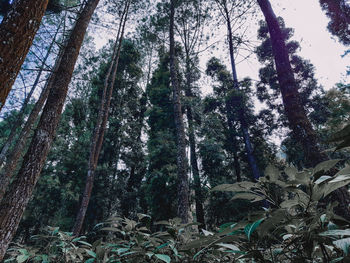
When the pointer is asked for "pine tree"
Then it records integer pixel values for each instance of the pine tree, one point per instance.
(17, 31)
(13, 204)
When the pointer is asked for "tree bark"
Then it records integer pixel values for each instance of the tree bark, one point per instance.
(193, 153)
(17, 197)
(183, 188)
(294, 109)
(101, 123)
(19, 118)
(17, 31)
(296, 114)
(15, 155)
(242, 119)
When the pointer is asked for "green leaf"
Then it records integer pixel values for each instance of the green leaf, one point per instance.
(230, 246)
(322, 179)
(90, 260)
(23, 251)
(163, 257)
(343, 244)
(326, 165)
(337, 260)
(91, 253)
(336, 232)
(85, 243)
(207, 233)
(248, 196)
(341, 135)
(272, 172)
(249, 229)
(22, 258)
(55, 231)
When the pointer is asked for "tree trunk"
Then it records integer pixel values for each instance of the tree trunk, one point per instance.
(19, 118)
(183, 188)
(17, 197)
(242, 119)
(17, 31)
(298, 121)
(193, 153)
(14, 156)
(101, 123)
(294, 109)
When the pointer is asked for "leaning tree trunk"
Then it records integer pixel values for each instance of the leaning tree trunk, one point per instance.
(242, 118)
(101, 123)
(19, 118)
(15, 155)
(294, 109)
(17, 31)
(183, 188)
(17, 197)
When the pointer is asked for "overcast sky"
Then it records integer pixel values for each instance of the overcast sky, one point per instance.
(317, 44)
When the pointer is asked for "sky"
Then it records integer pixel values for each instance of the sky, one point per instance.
(317, 44)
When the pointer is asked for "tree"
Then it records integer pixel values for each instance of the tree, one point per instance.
(16, 198)
(339, 13)
(17, 31)
(269, 92)
(183, 187)
(295, 111)
(160, 186)
(226, 12)
(190, 21)
(102, 119)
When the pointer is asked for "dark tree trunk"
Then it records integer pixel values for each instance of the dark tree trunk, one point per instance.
(193, 153)
(183, 188)
(101, 123)
(17, 197)
(19, 118)
(295, 112)
(17, 31)
(294, 109)
(242, 119)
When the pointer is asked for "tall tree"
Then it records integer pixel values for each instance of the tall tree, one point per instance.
(190, 21)
(102, 119)
(19, 120)
(17, 31)
(16, 198)
(226, 12)
(339, 13)
(294, 109)
(160, 187)
(268, 88)
(182, 165)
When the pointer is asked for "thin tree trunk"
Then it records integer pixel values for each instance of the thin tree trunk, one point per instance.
(101, 123)
(294, 109)
(19, 118)
(242, 119)
(193, 153)
(183, 188)
(17, 31)
(17, 197)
